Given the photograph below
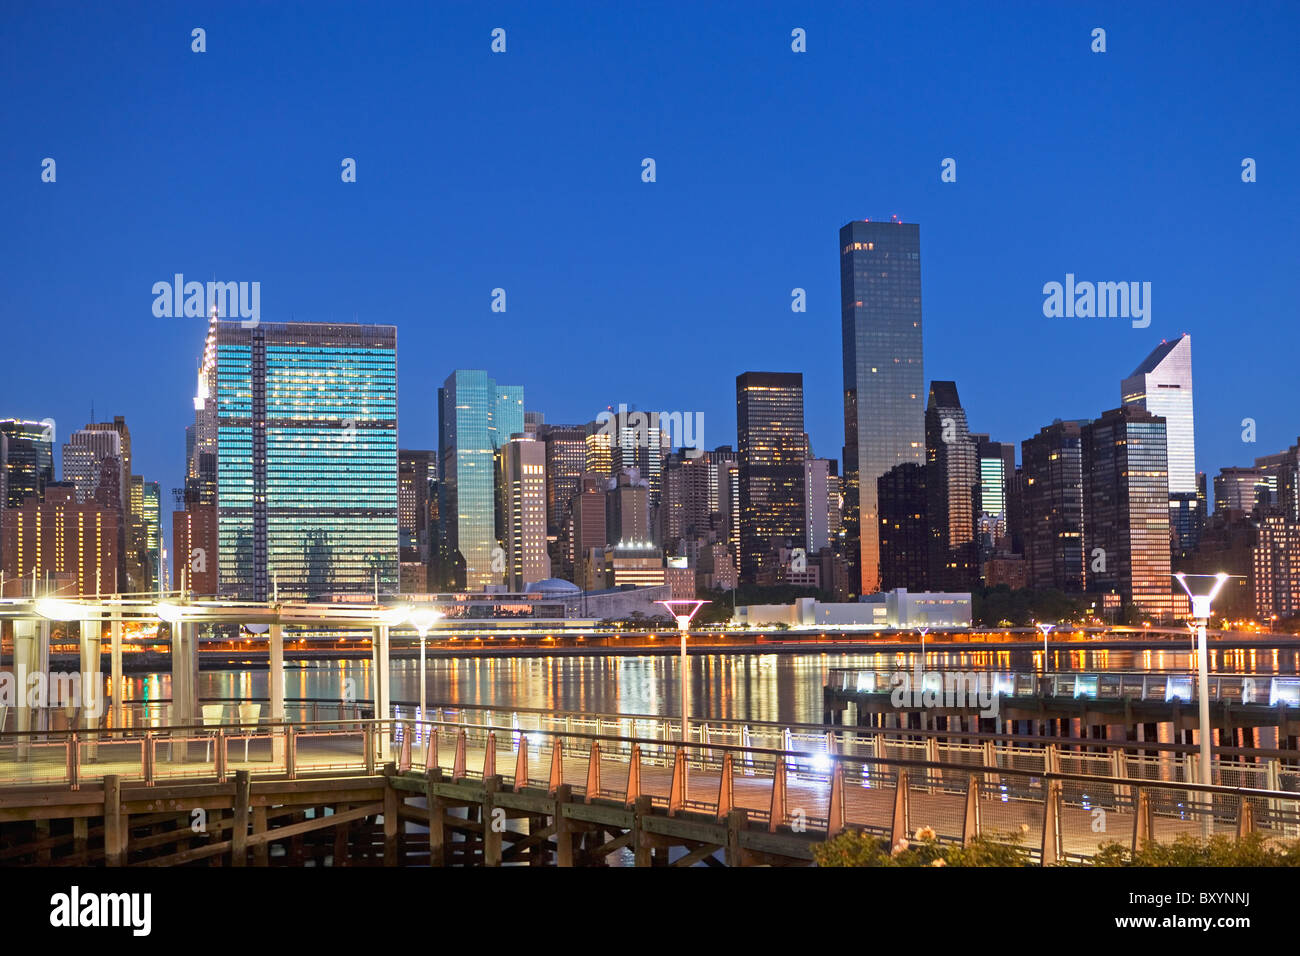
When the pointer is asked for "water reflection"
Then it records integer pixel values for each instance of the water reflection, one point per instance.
(777, 687)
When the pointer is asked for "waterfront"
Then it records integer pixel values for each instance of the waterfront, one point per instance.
(747, 686)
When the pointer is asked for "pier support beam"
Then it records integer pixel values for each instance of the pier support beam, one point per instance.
(91, 706)
(275, 687)
(26, 661)
(115, 666)
(380, 688)
(185, 679)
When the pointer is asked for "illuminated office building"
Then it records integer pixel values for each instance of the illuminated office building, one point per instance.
(952, 479)
(1126, 509)
(26, 459)
(771, 449)
(525, 528)
(300, 419)
(477, 417)
(1052, 499)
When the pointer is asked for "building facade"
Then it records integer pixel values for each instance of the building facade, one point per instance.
(884, 378)
(770, 452)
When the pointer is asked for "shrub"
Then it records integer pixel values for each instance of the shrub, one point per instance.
(1188, 850)
(854, 848)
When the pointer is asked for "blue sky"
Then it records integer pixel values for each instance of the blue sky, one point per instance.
(522, 171)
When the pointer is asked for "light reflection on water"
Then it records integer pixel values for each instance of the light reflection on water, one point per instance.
(776, 687)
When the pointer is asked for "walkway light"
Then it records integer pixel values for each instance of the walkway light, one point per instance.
(1201, 616)
(53, 609)
(171, 613)
(423, 618)
(1046, 629)
(683, 610)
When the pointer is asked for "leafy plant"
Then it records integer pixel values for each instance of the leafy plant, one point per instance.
(1191, 851)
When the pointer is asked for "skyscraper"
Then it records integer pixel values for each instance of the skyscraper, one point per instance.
(821, 502)
(301, 421)
(417, 472)
(884, 381)
(1052, 489)
(26, 459)
(1126, 508)
(770, 452)
(476, 418)
(952, 482)
(904, 528)
(525, 530)
(1162, 385)
(566, 460)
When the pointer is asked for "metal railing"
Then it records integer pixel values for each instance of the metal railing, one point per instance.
(1052, 809)
(1099, 685)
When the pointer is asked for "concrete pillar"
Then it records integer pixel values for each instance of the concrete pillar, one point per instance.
(380, 688)
(275, 687)
(26, 661)
(185, 679)
(92, 679)
(115, 666)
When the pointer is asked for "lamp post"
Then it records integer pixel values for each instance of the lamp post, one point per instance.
(1201, 617)
(423, 618)
(1046, 629)
(923, 631)
(683, 611)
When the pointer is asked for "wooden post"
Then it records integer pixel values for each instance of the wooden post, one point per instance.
(563, 828)
(835, 821)
(115, 825)
(633, 790)
(593, 773)
(1245, 819)
(341, 836)
(898, 825)
(970, 824)
(521, 764)
(80, 836)
(557, 766)
(261, 851)
(437, 820)
(390, 816)
(1052, 824)
(777, 816)
(458, 766)
(737, 820)
(490, 756)
(1141, 819)
(677, 790)
(239, 823)
(640, 845)
(726, 788)
(491, 834)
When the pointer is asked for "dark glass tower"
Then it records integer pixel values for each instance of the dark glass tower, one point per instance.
(26, 460)
(1052, 506)
(904, 528)
(953, 484)
(1126, 508)
(772, 448)
(884, 382)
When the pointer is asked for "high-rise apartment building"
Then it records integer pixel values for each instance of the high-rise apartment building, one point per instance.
(1126, 509)
(69, 545)
(300, 422)
(627, 510)
(952, 481)
(884, 381)
(1052, 499)
(770, 452)
(821, 502)
(477, 417)
(587, 531)
(1282, 473)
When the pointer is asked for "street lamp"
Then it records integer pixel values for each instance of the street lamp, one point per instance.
(1046, 629)
(683, 611)
(1201, 616)
(923, 631)
(423, 618)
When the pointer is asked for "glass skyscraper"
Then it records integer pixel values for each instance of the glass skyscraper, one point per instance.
(1162, 385)
(303, 421)
(771, 450)
(26, 459)
(884, 382)
(476, 419)
(952, 465)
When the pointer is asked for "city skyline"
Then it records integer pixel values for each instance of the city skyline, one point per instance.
(757, 219)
